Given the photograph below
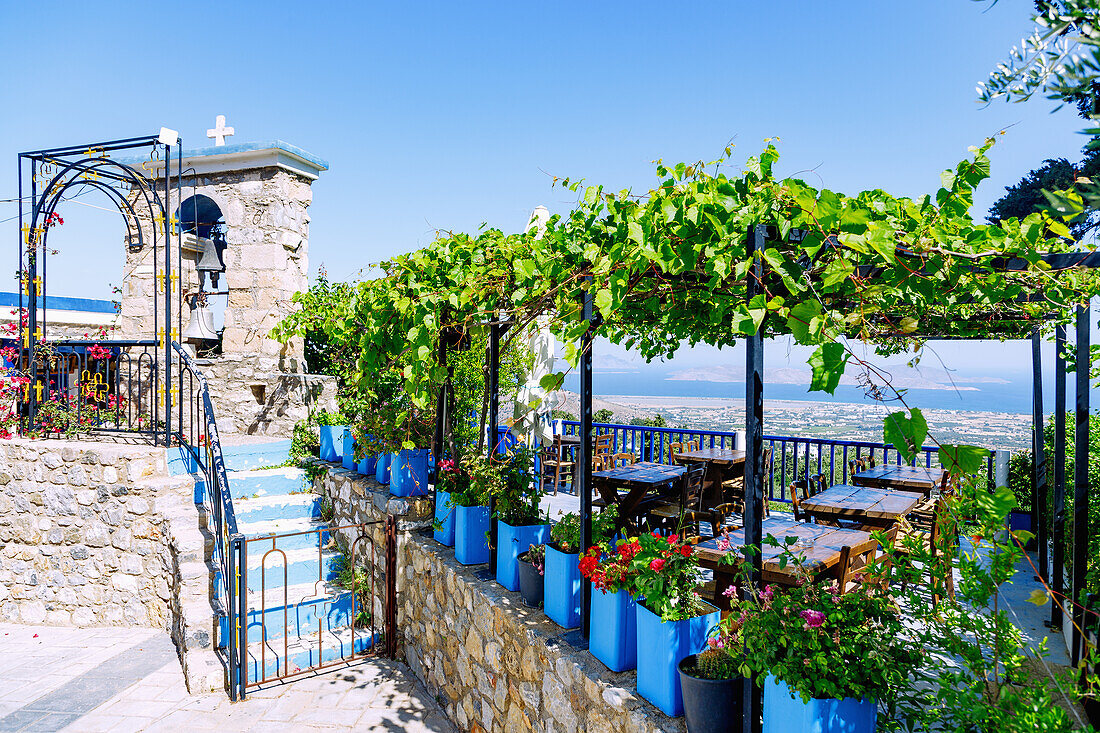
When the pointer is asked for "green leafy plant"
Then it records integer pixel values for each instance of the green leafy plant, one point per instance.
(819, 642)
(566, 531)
(482, 479)
(355, 579)
(517, 495)
(666, 575)
(535, 555)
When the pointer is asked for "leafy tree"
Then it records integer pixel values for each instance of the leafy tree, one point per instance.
(657, 421)
(604, 416)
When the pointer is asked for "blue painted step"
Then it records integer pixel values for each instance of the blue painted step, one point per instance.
(274, 482)
(332, 613)
(237, 457)
(301, 567)
(279, 506)
(273, 659)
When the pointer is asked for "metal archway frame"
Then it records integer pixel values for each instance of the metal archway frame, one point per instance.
(44, 177)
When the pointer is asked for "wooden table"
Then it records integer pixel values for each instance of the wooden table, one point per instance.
(721, 463)
(870, 507)
(818, 546)
(915, 478)
(640, 481)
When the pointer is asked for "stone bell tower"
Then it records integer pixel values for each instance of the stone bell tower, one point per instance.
(241, 214)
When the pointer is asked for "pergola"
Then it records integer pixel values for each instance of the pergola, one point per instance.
(715, 259)
(1001, 323)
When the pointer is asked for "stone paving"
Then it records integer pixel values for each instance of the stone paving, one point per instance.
(96, 680)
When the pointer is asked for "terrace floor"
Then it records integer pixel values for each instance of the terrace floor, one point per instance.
(110, 679)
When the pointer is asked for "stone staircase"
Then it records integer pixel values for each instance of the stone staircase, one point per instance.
(298, 615)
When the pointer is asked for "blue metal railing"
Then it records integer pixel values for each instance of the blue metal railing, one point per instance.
(792, 457)
(199, 437)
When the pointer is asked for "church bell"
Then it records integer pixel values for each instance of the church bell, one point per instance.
(210, 263)
(201, 325)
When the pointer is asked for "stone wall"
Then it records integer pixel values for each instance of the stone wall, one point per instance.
(251, 400)
(82, 540)
(495, 665)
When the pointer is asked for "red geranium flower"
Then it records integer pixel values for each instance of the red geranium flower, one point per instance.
(686, 550)
(657, 564)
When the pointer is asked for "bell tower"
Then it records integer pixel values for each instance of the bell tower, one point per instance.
(241, 213)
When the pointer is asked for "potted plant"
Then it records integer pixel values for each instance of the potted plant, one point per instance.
(519, 517)
(471, 504)
(673, 621)
(613, 637)
(828, 656)
(347, 455)
(562, 578)
(452, 478)
(711, 683)
(331, 426)
(409, 463)
(531, 567)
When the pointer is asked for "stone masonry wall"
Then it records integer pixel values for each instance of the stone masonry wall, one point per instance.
(495, 665)
(82, 542)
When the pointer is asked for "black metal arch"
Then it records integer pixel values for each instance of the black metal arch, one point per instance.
(92, 166)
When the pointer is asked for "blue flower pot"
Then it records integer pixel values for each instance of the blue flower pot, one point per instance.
(471, 542)
(513, 542)
(613, 635)
(661, 646)
(445, 516)
(368, 465)
(382, 468)
(785, 711)
(332, 442)
(409, 473)
(347, 456)
(562, 588)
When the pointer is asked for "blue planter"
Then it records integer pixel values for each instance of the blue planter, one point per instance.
(785, 711)
(409, 473)
(513, 542)
(471, 542)
(661, 646)
(347, 456)
(332, 442)
(368, 465)
(382, 468)
(562, 588)
(613, 635)
(445, 515)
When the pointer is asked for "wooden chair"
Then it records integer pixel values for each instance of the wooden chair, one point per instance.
(853, 560)
(556, 464)
(803, 489)
(937, 536)
(669, 514)
(690, 445)
(621, 459)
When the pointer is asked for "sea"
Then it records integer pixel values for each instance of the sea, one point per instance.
(1012, 396)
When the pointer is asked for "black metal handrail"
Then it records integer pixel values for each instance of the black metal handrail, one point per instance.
(206, 451)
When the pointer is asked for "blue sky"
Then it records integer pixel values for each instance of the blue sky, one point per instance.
(446, 115)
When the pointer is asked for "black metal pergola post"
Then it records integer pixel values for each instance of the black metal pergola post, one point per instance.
(1038, 453)
(493, 423)
(754, 445)
(584, 473)
(1057, 569)
(1080, 483)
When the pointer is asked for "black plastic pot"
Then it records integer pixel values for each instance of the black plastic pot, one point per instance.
(710, 706)
(530, 583)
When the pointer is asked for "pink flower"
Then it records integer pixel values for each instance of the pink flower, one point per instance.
(730, 592)
(657, 564)
(813, 619)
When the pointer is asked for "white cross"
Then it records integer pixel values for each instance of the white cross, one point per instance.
(219, 132)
